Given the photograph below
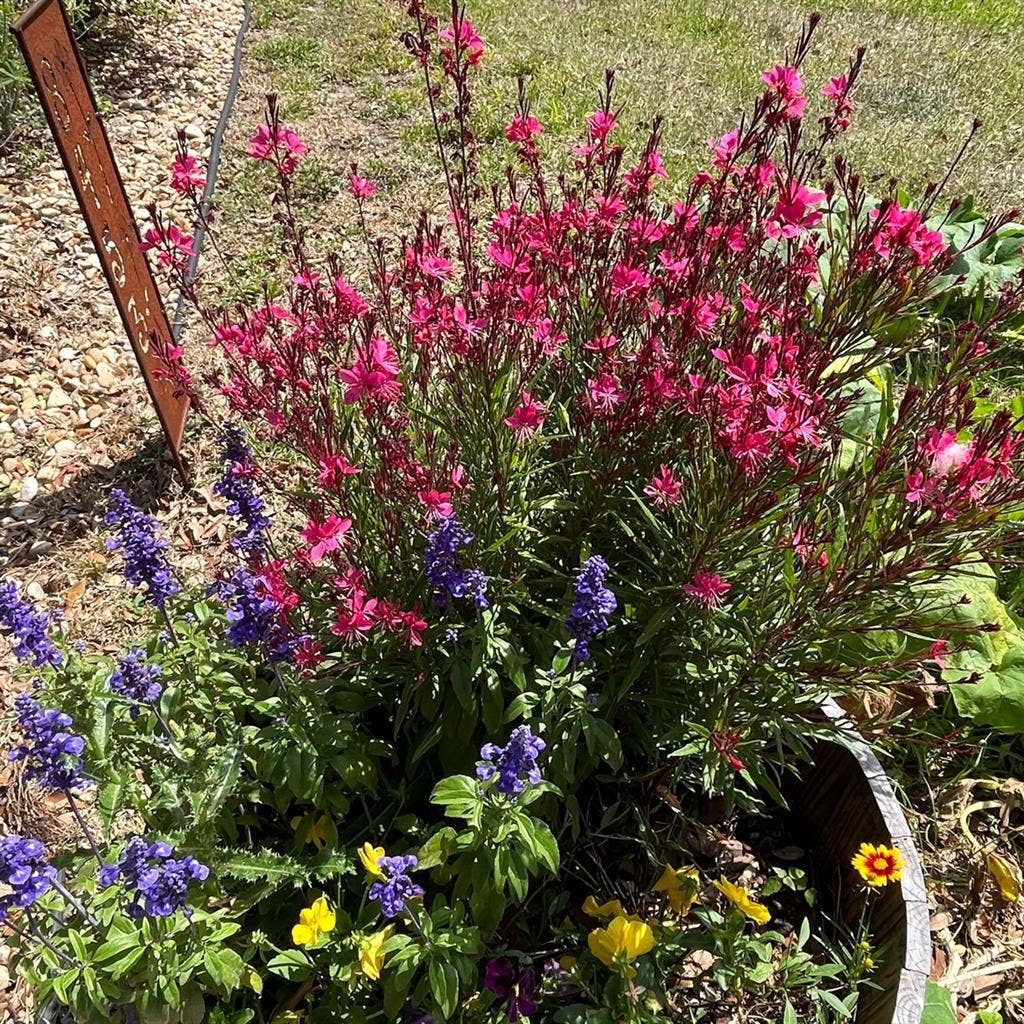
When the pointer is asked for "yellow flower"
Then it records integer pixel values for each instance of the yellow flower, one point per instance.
(314, 921)
(682, 887)
(878, 865)
(622, 940)
(609, 909)
(868, 963)
(370, 856)
(371, 953)
(740, 899)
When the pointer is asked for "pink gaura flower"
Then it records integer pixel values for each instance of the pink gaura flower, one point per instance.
(325, 537)
(640, 177)
(947, 454)
(173, 247)
(725, 149)
(707, 589)
(355, 618)
(523, 129)
(411, 623)
(605, 393)
(463, 36)
(433, 264)
(350, 304)
(900, 229)
(786, 84)
(795, 212)
(664, 488)
(437, 503)
(374, 375)
(279, 590)
(308, 280)
(277, 145)
(187, 174)
(334, 469)
(360, 187)
(528, 416)
(308, 654)
(937, 652)
(600, 125)
(629, 282)
(837, 91)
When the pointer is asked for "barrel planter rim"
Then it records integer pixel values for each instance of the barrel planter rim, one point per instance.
(906, 994)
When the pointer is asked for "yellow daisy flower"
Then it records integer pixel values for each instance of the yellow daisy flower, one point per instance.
(878, 865)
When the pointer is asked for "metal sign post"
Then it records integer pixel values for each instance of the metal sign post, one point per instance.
(60, 79)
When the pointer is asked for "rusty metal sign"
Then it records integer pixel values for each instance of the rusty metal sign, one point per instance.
(59, 76)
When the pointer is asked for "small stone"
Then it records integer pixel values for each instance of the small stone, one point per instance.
(35, 590)
(58, 399)
(65, 447)
(29, 489)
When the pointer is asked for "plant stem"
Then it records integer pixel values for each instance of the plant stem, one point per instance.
(82, 825)
(37, 936)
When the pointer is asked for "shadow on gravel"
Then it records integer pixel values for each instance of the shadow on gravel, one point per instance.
(123, 62)
(34, 528)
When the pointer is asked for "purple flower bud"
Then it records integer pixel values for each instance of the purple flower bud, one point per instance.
(144, 562)
(136, 680)
(237, 487)
(442, 569)
(397, 888)
(28, 628)
(51, 754)
(515, 764)
(593, 603)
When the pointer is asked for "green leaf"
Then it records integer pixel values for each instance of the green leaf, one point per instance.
(444, 984)
(225, 966)
(997, 699)
(292, 964)
(938, 1005)
(224, 777)
(437, 849)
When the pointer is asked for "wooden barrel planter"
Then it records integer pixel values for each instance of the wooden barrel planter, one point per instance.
(843, 798)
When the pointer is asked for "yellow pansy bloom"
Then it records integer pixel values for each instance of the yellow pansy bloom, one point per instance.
(622, 940)
(610, 909)
(741, 900)
(314, 921)
(682, 886)
(371, 953)
(370, 856)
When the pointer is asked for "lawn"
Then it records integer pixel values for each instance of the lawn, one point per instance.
(932, 66)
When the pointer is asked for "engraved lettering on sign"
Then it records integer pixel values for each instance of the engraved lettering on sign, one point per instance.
(59, 77)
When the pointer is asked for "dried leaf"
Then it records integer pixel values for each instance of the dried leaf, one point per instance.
(74, 595)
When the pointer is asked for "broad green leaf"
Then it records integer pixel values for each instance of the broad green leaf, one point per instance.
(938, 1005)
